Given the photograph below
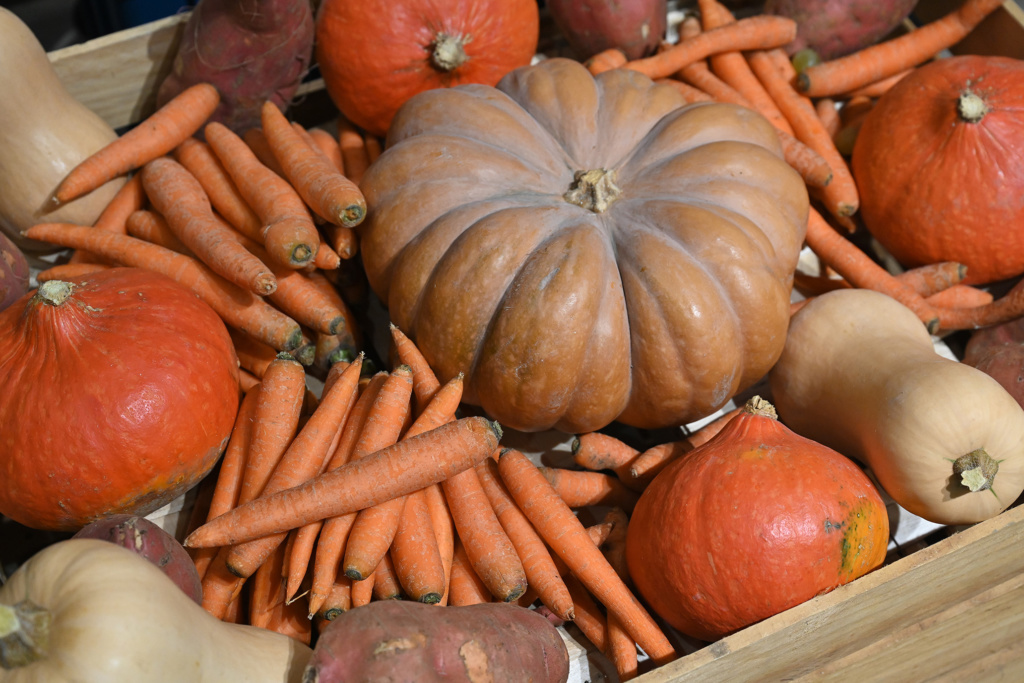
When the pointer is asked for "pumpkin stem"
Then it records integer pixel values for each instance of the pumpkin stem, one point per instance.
(594, 190)
(760, 407)
(24, 634)
(970, 107)
(54, 292)
(448, 52)
(977, 470)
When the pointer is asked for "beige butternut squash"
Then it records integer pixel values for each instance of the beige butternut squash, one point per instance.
(44, 133)
(90, 611)
(860, 374)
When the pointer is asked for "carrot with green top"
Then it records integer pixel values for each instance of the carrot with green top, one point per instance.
(157, 135)
(301, 461)
(567, 537)
(201, 162)
(541, 573)
(288, 231)
(331, 195)
(758, 32)
(180, 199)
(860, 270)
(878, 61)
(236, 306)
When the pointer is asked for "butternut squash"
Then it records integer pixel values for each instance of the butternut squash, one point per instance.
(860, 374)
(90, 611)
(44, 133)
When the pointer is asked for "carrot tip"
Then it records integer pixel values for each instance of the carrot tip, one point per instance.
(301, 255)
(354, 574)
(336, 325)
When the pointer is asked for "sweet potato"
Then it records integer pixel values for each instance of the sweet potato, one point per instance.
(590, 26)
(998, 351)
(14, 273)
(250, 50)
(145, 538)
(396, 641)
(834, 28)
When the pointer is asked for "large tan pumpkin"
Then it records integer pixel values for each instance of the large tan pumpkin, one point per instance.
(585, 249)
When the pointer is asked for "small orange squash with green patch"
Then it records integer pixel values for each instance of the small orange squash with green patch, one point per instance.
(755, 521)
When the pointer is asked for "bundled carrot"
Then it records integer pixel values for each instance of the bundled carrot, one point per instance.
(204, 165)
(330, 194)
(158, 134)
(876, 62)
(236, 306)
(288, 232)
(180, 199)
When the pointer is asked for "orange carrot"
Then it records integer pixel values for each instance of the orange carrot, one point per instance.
(129, 198)
(265, 587)
(590, 620)
(301, 461)
(444, 531)
(1007, 307)
(465, 587)
(220, 587)
(606, 60)
(690, 94)
(579, 488)
(417, 561)
(70, 271)
(872, 64)
(488, 547)
(567, 537)
(878, 88)
(541, 573)
(158, 134)
(236, 306)
(599, 532)
(253, 355)
(825, 108)
(344, 241)
(349, 330)
(289, 234)
(328, 146)
(425, 382)
(201, 162)
(338, 599)
(933, 278)
(385, 580)
(362, 591)
(258, 144)
(960, 296)
(246, 380)
(598, 451)
(326, 258)
(759, 32)
(180, 199)
(275, 423)
(152, 227)
(353, 150)
(732, 68)
(374, 148)
(621, 649)
(859, 270)
(840, 195)
(331, 195)
(653, 460)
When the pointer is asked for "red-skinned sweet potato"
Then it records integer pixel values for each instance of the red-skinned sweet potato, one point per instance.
(998, 351)
(590, 26)
(834, 28)
(145, 538)
(14, 275)
(392, 640)
(250, 50)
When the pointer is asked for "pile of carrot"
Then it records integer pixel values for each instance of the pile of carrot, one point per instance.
(378, 489)
(817, 114)
(260, 226)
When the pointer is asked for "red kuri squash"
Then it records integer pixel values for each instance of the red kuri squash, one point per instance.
(119, 392)
(376, 54)
(938, 165)
(585, 249)
(755, 521)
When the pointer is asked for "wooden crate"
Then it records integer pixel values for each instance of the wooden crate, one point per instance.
(952, 610)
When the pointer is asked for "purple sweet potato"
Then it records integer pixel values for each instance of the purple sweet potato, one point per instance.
(397, 640)
(998, 351)
(590, 26)
(14, 273)
(145, 538)
(250, 50)
(834, 28)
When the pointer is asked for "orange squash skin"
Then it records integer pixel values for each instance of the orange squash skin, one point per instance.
(117, 400)
(376, 54)
(935, 187)
(754, 522)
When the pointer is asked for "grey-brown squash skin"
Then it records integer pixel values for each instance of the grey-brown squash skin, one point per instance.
(654, 311)
(859, 374)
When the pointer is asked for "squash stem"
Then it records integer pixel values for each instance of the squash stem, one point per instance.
(970, 107)
(54, 292)
(24, 634)
(977, 470)
(594, 190)
(756, 405)
(448, 52)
